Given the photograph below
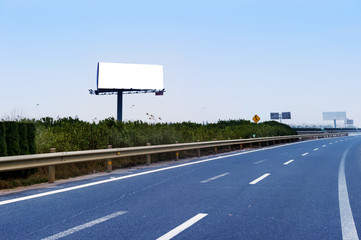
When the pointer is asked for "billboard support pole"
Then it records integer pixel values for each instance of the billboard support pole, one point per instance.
(120, 106)
(334, 122)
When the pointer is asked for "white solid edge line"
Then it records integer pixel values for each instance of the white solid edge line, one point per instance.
(347, 222)
(120, 178)
(304, 154)
(84, 226)
(214, 178)
(134, 175)
(182, 227)
(260, 178)
(288, 162)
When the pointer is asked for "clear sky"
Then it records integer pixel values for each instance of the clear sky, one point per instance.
(222, 59)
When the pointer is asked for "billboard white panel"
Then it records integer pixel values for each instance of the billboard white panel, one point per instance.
(334, 116)
(129, 76)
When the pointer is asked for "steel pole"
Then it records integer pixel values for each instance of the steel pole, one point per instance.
(120, 106)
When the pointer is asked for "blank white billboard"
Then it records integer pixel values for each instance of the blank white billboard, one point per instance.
(129, 76)
(334, 116)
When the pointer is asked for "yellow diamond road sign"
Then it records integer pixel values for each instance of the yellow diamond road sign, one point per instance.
(256, 118)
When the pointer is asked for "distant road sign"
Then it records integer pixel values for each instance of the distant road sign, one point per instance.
(349, 122)
(275, 116)
(256, 118)
(286, 115)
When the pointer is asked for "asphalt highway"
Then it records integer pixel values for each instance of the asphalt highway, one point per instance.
(305, 190)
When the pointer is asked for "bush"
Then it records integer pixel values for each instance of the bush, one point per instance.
(31, 137)
(23, 138)
(3, 150)
(12, 138)
(69, 134)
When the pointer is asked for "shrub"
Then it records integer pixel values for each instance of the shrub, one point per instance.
(23, 138)
(31, 137)
(12, 138)
(3, 150)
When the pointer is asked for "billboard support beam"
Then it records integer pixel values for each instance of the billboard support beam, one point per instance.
(120, 105)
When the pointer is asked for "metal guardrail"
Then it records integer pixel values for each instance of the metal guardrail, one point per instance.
(53, 159)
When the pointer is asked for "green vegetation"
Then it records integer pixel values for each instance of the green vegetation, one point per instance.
(3, 148)
(31, 137)
(72, 134)
(12, 138)
(69, 134)
(23, 139)
(17, 138)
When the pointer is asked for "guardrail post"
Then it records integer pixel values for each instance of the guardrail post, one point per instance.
(110, 163)
(52, 169)
(198, 151)
(148, 156)
(215, 149)
(177, 153)
(229, 146)
(260, 144)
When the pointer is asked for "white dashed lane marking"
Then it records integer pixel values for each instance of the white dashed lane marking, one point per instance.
(84, 226)
(288, 162)
(171, 234)
(214, 178)
(260, 178)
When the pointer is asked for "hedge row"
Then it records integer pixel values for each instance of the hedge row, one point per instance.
(17, 138)
(69, 134)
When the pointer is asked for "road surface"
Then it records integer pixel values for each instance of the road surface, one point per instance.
(306, 190)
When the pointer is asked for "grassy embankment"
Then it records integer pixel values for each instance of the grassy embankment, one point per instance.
(68, 134)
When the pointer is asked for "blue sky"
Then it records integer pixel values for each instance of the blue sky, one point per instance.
(222, 59)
